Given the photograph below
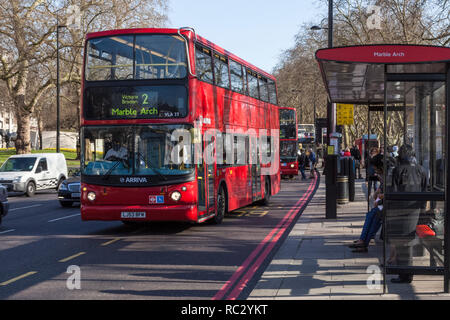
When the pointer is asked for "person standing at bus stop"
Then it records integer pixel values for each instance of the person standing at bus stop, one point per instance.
(354, 151)
(401, 221)
(372, 177)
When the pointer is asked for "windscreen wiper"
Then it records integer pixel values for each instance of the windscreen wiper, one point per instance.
(152, 167)
(114, 166)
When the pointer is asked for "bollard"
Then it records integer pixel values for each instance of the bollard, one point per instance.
(342, 189)
(347, 169)
(351, 179)
(331, 169)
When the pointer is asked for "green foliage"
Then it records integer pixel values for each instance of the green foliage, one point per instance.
(70, 155)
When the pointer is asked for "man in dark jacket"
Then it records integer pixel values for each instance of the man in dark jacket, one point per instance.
(302, 159)
(402, 216)
(354, 151)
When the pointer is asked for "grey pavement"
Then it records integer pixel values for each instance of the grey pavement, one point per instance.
(314, 262)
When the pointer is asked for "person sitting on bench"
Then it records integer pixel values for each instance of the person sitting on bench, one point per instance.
(373, 220)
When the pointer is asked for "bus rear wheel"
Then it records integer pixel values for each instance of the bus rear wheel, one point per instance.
(266, 199)
(221, 206)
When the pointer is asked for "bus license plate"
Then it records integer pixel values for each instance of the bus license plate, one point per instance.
(132, 215)
(284, 164)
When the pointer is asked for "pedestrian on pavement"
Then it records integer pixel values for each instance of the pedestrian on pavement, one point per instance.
(357, 156)
(372, 177)
(302, 160)
(347, 152)
(373, 219)
(312, 163)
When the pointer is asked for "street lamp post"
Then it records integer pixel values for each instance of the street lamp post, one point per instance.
(330, 124)
(58, 147)
(331, 159)
(330, 23)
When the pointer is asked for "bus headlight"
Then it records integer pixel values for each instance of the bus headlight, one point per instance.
(292, 165)
(175, 196)
(91, 196)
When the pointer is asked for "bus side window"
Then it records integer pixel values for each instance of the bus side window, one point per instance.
(203, 66)
(272, 92)
(245, 82)
(221, 77)
(237, 77)
(252, 84)
(263, 90)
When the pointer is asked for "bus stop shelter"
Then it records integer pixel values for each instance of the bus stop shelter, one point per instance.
(411, 85)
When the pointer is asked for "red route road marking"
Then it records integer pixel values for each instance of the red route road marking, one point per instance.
(241, 285)
(280, 228)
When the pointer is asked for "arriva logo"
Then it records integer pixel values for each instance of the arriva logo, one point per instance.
(135, 180)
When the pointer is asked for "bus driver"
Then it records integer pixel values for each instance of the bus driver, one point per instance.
(117, 152)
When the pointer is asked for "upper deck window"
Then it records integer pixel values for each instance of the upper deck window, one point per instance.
(203, 66)
(236, 74)
(221, 71)
(263, 90)
(272, 92)
(287, 124)
(252, 84)
(136, 57)
(287, 116)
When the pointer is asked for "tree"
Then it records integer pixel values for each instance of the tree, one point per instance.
(24, 32)
(28, 46)
(396, 21)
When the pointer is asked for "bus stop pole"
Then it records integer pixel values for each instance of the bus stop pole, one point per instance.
(331, 167)
(331, 160)
(447, 197)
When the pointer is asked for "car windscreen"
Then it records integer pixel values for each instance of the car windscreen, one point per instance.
(18, 164)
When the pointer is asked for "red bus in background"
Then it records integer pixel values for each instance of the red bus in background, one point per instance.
(173, 128)
(288, 141)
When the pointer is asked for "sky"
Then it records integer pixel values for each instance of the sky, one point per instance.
(256, 31)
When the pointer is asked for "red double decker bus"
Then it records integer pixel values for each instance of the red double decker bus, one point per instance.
(174, 128)
(288, 141)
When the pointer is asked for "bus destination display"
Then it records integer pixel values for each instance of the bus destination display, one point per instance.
(135, 102)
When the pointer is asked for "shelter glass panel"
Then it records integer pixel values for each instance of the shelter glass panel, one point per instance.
(415, 175)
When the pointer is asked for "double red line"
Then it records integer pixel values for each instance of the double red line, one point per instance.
(256, 258)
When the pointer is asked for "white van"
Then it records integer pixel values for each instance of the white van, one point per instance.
(30, 172)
